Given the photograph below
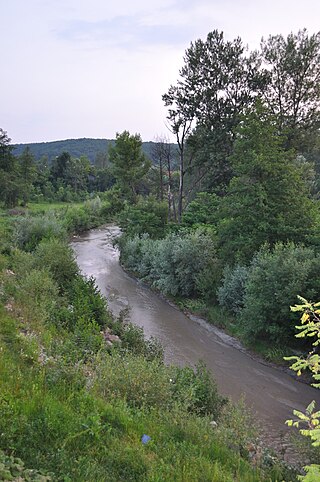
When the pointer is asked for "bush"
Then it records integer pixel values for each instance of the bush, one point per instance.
(59, 258)
(147, 216)
(76, 220)
(174, 265)
(275, 277)
(231, 293)
(29, 231)
(148, 383)
(112, 201)
(87, 302)
(37, 295)
(197, 390)
(202, 210)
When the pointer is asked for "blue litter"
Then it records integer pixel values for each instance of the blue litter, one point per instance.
(145, 439)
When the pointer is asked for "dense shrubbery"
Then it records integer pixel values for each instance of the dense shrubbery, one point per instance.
(58, 257)
(174, 265)
(29, 231)
(148, 216)
(231, 293)
(261, 293)
(275, 277)
(204, 209)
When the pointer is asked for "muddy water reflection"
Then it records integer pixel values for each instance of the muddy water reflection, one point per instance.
(270, 392)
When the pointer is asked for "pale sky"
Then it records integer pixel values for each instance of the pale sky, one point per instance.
(91, 68)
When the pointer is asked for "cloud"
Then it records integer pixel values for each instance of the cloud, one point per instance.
(125, 32)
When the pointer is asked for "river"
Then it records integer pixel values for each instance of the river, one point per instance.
(271, 393)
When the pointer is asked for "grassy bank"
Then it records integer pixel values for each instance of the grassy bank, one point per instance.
(84, 397)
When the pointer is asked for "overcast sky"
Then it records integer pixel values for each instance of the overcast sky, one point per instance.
(91, 68)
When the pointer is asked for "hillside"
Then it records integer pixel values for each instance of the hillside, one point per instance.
(76, 147)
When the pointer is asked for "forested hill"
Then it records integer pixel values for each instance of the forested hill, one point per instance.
(76, 148)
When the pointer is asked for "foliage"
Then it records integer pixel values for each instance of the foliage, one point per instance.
(173, 265)
(202, 210)
(292, 71)
(30, 231)
(13, 468)
(148, 216)
(37, 295)
(274, 277)
(309, 327)
(267, 200)
(129, 163)
(59, 258)
(217, 82)
(231, 293)
(87, 302)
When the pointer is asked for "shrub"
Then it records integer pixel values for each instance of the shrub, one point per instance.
(37, 295)
(198, 391)
(173, 265)
(202, 210)
(87, 302)
(149, 383)
(232, 291)
(29, 231)
(76, 219)
(59, 258)
(147, 216)
(275, 277)
(112, 201)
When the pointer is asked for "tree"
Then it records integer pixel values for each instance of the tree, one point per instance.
(310, 327)
(181, 115)
(217, 81)
(267, 200)
(10, 181)
(59, 168)
(163, 154)
(28, 173)
(292, 91)
(129, 163)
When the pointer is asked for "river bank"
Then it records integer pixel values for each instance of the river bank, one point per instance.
(271, 393)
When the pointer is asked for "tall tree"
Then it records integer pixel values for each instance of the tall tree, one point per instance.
(292, 69)
(267, 200)
(218, 80)
(10, 180)
(129, 163)
(180, 117)
(163, 154)
(28, 173)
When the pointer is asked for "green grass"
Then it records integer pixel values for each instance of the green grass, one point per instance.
(81, 435)
(73, 407)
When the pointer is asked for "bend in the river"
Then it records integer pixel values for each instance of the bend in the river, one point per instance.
(271, 393)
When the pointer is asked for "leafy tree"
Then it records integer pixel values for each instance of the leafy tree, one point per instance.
(28, 173)
(273, 279)
(148, 216)
(310, 419)
(10, 182)
(292, 90)
(129, 163)
(202, 210)
(218, 80)
(267, 200)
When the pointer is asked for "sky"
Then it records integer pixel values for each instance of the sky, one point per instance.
(92, 68)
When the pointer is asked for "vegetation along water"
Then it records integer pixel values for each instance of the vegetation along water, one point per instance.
(225, 224)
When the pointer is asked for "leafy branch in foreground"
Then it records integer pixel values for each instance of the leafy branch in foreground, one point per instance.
(310, 327)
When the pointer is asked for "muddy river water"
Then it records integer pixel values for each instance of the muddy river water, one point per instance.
(271, 393)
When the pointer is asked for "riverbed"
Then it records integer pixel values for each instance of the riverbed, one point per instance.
(271, 393)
